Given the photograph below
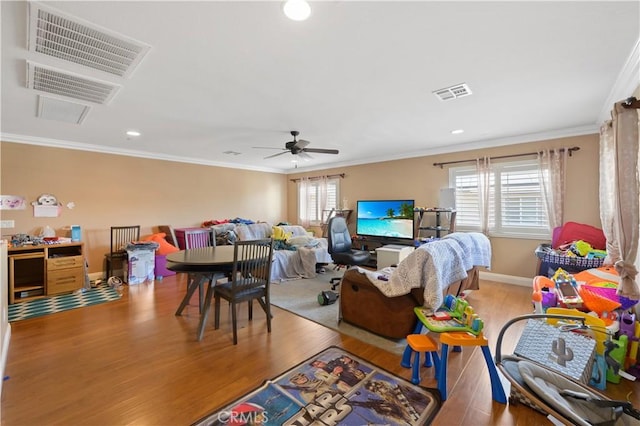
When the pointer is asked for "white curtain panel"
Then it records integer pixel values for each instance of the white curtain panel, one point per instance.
(483, 168)
(552, 166)
(303, 208)
(322, 193)
(619, 195)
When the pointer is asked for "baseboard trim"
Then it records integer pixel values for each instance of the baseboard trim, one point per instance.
(507, 279)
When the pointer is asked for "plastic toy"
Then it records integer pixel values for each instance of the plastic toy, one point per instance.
(543, 296)
(630, 328)
(614, 353)
(469, 322)
(567, 289)
(598, 304)
(454, 306)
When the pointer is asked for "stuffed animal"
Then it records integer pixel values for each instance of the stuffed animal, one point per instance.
(279, 234)
(47, 200)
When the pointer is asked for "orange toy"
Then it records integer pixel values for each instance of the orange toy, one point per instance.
(597, 303)
(539, 283)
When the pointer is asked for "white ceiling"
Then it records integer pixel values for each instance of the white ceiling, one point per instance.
(356, 76)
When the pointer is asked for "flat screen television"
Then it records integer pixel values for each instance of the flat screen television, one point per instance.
(392, 219)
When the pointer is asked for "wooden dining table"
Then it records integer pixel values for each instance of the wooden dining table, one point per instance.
(209, 264)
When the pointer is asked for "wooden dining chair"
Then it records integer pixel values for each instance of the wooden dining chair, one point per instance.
(250, 280)
(120, 237)
(198, 238)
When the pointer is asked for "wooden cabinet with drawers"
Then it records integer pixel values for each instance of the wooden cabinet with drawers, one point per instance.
(47, 270)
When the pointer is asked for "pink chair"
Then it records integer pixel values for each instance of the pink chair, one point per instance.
(198, 238)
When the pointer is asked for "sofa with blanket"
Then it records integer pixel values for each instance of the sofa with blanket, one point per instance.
(382, 301)
(297, 254)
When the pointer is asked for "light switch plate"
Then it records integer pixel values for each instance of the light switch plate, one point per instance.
(7, 223)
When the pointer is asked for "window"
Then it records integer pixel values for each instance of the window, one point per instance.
(311, 196)
(516, 205)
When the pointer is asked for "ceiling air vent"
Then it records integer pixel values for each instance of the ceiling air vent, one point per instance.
(59, 110)
(62, 83)
(56, 34)
(453, 92)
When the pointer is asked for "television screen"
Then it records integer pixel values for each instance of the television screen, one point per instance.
(385, 218)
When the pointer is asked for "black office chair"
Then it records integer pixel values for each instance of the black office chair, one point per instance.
(340, 247)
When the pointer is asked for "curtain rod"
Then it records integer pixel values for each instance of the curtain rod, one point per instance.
(341, 175)
(631, 102)
(570, 150)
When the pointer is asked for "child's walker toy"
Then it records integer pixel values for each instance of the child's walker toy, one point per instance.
(567, 290)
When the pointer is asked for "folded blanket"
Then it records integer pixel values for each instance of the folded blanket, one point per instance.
(434, 267)
(476, 246)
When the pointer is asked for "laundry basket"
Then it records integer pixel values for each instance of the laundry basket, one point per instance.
(550, 260)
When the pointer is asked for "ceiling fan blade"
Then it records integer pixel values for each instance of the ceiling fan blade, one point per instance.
(266, 147)
(321, 150)
(304, 155)
(301, 143)
(275, 155)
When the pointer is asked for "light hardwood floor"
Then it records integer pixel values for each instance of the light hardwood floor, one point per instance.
(132, 362)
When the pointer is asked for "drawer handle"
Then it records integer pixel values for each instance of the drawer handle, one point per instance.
(65, 280)
(65, 262)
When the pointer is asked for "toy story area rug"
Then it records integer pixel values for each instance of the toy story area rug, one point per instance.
(331, 388)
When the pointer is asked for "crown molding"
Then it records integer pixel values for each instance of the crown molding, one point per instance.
(488, 143)
(54, 143)
(626, 84)
(448, 149)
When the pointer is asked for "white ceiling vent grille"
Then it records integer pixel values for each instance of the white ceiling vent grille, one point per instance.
(453, 92)
(59, 110)
(55, 34)
(63, 83)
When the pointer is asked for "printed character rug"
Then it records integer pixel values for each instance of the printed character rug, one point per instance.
(333, 387)
(45, 306)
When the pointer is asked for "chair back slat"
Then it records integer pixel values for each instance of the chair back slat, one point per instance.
(252, 264)
(198, 238)
(123, 235)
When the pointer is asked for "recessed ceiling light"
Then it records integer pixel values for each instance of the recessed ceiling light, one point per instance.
(297, 10)
(133, 133)
(457, 131)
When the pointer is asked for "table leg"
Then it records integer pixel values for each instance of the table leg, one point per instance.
(190, 290)
(205, 309)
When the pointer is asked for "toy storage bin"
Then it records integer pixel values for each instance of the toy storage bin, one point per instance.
(161, 266)
(549, 261)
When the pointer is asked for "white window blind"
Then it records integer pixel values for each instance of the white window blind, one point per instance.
(516, 205)
(313, 197)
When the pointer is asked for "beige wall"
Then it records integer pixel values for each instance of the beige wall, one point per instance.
(117, 190)
(418, 179)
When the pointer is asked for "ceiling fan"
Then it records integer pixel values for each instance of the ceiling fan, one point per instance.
(299, 147)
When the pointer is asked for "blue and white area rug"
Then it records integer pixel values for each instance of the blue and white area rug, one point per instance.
(38, 307)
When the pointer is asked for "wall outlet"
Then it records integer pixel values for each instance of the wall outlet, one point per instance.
(7, 223)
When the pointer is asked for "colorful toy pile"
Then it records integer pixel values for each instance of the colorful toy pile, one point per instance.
(592, 293)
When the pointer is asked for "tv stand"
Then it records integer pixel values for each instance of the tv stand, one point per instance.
(373, 243)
